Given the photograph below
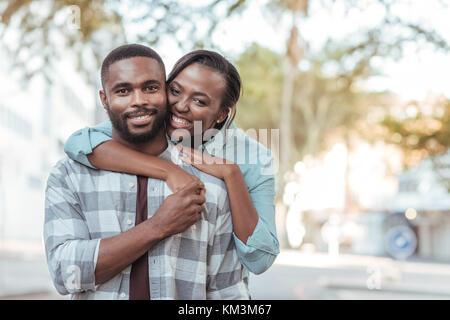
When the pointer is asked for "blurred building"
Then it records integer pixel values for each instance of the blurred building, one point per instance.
(415, 221)
(420, 210)
(425, 199)
(36, 118)
(400, 216)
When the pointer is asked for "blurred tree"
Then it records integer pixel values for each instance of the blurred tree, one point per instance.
(322, 103)
(421, 129)
(37, 33)
(262, 75)
(40, 28)
(36, 30)
(352, 58)
(295, 51)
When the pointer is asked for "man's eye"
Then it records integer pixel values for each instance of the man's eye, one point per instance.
(122, 91)
(151, 88)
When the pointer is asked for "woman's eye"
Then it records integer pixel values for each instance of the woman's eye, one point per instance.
(174, 91)
(200, 102)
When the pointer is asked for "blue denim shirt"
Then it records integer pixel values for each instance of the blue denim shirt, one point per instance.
(256, 164)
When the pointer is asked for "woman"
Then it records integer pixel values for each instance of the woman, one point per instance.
(203, 86)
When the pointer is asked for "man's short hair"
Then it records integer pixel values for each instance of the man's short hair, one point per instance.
(125, 52)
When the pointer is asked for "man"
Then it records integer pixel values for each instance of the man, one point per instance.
(99, 242)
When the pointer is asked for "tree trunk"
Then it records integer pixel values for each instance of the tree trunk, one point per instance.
(285, 123)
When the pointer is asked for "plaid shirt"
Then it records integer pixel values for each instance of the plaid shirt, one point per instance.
(84, 206)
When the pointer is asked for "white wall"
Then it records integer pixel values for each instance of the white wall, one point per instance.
(53, 112)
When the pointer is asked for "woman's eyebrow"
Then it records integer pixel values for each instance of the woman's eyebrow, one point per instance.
(176, 83)
(198, 93)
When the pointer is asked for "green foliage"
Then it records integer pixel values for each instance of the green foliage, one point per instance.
(425, 131)
(421, 130)
(259, 106)
(324, 105)
(43, 28)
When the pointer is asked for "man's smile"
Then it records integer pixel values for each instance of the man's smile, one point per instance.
(141, 118)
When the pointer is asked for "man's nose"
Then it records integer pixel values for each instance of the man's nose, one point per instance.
(138, 98)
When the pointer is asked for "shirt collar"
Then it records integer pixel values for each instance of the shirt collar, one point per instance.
(218, 141)
(171, 153)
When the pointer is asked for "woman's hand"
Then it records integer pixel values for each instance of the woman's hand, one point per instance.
(177, 179)
(243, 212)
(208, 163)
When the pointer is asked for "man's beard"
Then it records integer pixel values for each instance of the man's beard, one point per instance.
(119, 122)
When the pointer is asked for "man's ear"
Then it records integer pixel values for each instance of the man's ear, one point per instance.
(222, 115)
(103, 99)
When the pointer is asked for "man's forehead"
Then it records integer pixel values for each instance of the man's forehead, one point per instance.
(136, 69)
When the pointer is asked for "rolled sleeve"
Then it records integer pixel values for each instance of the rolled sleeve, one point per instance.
(82, 142)
(260, 251)
(72, 266)
(71, 254)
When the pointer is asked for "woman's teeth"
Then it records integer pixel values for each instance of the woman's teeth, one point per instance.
(179, 120)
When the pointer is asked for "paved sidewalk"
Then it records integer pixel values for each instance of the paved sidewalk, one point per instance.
(323, 260)
(24, 275)
(301, 275)
(23, 272)
(382, 267)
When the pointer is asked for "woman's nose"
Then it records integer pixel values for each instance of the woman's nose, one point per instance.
(182, 105)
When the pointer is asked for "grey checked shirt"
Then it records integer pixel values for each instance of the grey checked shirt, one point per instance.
(84, 205)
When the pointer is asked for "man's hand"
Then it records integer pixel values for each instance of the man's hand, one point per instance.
(177, 179)
(180, 210)
(177, 213)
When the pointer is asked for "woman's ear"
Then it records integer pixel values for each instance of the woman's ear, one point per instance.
(222, 115)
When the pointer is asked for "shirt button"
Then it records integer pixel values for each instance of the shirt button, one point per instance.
(131, 185)
(129, 221)
(123, 295)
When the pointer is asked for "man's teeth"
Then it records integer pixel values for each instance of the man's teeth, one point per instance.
(180, 121)
(141, 117)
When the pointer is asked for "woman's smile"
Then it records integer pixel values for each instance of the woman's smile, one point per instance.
(178, 122)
